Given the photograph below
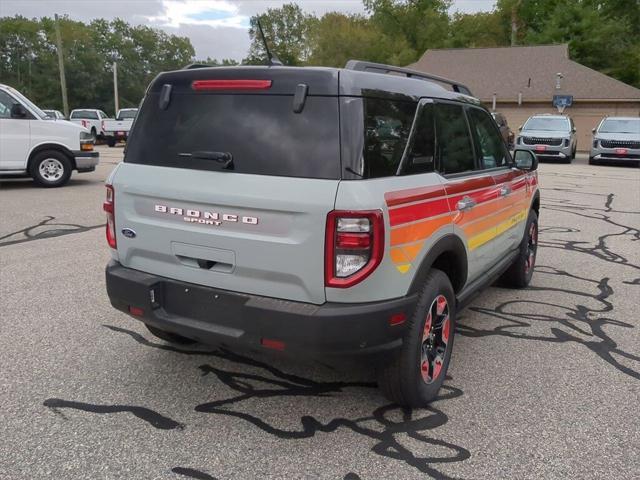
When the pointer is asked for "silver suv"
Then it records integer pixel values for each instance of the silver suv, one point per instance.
(318, 211)
(550, 137)
(616, 139)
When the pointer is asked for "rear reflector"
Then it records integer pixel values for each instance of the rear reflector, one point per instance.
(204, 85)
(109, 208)
(397, 319)
(273, 344)
(137, 311)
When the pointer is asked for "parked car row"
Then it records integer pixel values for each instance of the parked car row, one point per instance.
(99, 124)
(553, 137)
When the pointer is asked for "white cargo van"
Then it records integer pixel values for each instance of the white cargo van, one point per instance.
(31, 143)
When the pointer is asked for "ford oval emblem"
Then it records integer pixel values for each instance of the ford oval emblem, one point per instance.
(127, 232)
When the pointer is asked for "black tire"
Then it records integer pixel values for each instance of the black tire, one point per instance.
(400, 376)
(94, 134)
(169, 336)
(111, 141)
(50, 168)
(521, 270)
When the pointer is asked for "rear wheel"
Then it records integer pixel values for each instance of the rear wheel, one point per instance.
(169, 336)
(94, 135)
(50, 169)
(111, 141)
(413, 375)
(521, 270)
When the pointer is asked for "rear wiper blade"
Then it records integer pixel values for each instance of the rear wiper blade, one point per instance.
(221, 157)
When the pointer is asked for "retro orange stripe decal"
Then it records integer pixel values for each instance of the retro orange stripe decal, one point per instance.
(418, 231)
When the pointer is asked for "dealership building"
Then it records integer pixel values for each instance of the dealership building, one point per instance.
(523, 81)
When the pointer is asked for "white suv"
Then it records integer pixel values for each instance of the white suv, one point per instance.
(31, 143)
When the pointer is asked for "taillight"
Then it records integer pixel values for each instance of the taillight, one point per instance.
(109, 207)
(354, 246)
(204, 85)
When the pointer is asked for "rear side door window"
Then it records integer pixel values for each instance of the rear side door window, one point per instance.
(387, 124)
(489, 143)
(454, 148)
(421, 154)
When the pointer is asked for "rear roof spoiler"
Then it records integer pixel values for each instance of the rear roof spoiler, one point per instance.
(363, 66)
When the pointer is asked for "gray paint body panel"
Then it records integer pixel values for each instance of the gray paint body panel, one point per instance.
(281, 256)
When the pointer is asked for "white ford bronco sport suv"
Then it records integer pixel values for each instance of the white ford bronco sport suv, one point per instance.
(318, 211)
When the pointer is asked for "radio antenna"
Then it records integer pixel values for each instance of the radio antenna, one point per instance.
(271, 58)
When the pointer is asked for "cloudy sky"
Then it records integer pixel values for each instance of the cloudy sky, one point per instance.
(217, 28)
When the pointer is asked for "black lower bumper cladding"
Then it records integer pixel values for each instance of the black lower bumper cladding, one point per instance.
(221, 317)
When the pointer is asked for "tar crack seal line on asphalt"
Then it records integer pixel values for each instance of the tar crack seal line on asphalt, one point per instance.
(192, 473)
(28, 235)
(286, 385)
(154, 419)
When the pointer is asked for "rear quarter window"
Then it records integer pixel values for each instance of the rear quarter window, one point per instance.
(261, 133)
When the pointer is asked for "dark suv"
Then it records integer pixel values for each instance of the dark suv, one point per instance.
(318, 211)
(506, 132)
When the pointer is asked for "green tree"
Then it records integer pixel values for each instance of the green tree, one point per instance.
(287, 32)
(483, 29)
(421, 24)
(28, 60)
(337, 38)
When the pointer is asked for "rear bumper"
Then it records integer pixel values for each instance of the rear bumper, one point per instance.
(86, 161)
(221, 317)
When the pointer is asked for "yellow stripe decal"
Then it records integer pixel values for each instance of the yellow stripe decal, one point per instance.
(491, 233)
(403, 268)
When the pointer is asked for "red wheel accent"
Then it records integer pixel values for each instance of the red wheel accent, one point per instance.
(445, 330)
(435, 339)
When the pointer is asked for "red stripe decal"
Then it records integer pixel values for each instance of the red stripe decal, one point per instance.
(411, 213)
(472, 184)
(480, 196)
(413, 195)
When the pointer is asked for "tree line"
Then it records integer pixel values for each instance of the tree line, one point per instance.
(29, 63)
(602, 34)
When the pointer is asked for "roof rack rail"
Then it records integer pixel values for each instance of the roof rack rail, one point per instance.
(363, 66)
(191, 66)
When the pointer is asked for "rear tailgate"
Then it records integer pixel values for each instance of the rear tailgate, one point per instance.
(252, 223)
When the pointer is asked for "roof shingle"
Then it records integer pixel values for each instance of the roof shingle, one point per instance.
(531, 70)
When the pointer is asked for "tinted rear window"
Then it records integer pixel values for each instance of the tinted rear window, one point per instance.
(261, 133)
(387, 124)
(86, 114)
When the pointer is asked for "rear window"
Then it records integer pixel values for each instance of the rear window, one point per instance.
(259, 133)
(86, 114)
(126, 114)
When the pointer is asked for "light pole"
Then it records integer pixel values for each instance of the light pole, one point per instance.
(115, 87)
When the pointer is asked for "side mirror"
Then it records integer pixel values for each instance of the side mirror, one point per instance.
(573, 130)
(18, 111)
(525, 160)
(520, 128)
(593, 130)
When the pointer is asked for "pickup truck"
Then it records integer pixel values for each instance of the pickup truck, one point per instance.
(90, 118)
(118, 129)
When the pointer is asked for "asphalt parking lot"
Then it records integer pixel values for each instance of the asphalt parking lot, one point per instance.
(544, 382)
